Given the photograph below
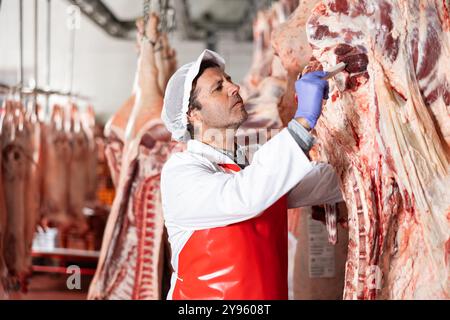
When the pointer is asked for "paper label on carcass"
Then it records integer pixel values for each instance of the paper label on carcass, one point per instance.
(321, 258)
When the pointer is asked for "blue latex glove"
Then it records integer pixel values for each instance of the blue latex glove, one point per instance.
(311, 90)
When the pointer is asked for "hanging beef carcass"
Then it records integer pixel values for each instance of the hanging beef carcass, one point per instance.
(289, 39)
(113, 149)
(33, 175)
(16, 160)
(115, 136)
(132, 265)
(166, 61)
(386, 130)
(263, 64)
(263, 88)
(56, 157)
(265, 84)
(3, 216)
(77, 170)
(115, 127)
(318, 266)
(88, 125)
(20, 195)
(286, 7)
(133, 251)
(290, 43)
(262, 53)
(271, 106)
(262, 107)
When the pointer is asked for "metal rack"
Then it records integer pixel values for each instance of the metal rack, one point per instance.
(23, 92)
(63, 255)
(32, 92)
(27, 91)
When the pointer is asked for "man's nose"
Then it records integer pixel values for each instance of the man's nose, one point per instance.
(233, 89)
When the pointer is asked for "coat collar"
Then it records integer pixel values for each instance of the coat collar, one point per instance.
(213, 154)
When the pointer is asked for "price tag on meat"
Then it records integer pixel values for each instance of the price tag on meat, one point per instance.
(321, 253)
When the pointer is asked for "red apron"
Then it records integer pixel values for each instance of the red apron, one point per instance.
(245, 260)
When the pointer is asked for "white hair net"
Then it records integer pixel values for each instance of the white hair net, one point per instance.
(178, 91)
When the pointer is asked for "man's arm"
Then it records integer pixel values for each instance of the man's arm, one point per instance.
(196, 196)
(319, 186)
(299, 130)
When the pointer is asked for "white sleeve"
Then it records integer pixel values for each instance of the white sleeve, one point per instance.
(319, 186)
(195, 196)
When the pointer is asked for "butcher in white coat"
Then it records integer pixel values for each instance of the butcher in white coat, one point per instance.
(227, 218)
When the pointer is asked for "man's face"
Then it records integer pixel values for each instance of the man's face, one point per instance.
(222, 106)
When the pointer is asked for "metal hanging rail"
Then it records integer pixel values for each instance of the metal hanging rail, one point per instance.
(20, 87)
(101, 15)
(6, 89)
(72, 30)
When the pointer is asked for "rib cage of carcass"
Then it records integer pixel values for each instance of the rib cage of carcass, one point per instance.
(132, 259)
(387, 131)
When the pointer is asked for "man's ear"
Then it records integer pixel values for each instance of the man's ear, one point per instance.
(194, 116)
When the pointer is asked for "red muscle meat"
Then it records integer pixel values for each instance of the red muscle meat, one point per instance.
(133, 250)
(386, 129)
(133, 258)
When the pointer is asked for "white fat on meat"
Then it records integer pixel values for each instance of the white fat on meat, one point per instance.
(390, 120)
(132, 260)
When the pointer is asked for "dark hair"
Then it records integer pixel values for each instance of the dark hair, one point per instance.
(194, 104)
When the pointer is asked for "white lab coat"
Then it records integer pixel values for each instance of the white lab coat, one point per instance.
(198, 194)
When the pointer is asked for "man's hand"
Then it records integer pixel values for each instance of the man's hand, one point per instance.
(311, 90)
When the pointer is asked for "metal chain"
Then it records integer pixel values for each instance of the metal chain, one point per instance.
(158, 7)
(170, 17)
(163, 15)
(73, 23)
(146, 14)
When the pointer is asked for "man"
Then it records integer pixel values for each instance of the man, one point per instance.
(226, 218)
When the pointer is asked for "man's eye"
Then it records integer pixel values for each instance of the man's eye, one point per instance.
(219, 88)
